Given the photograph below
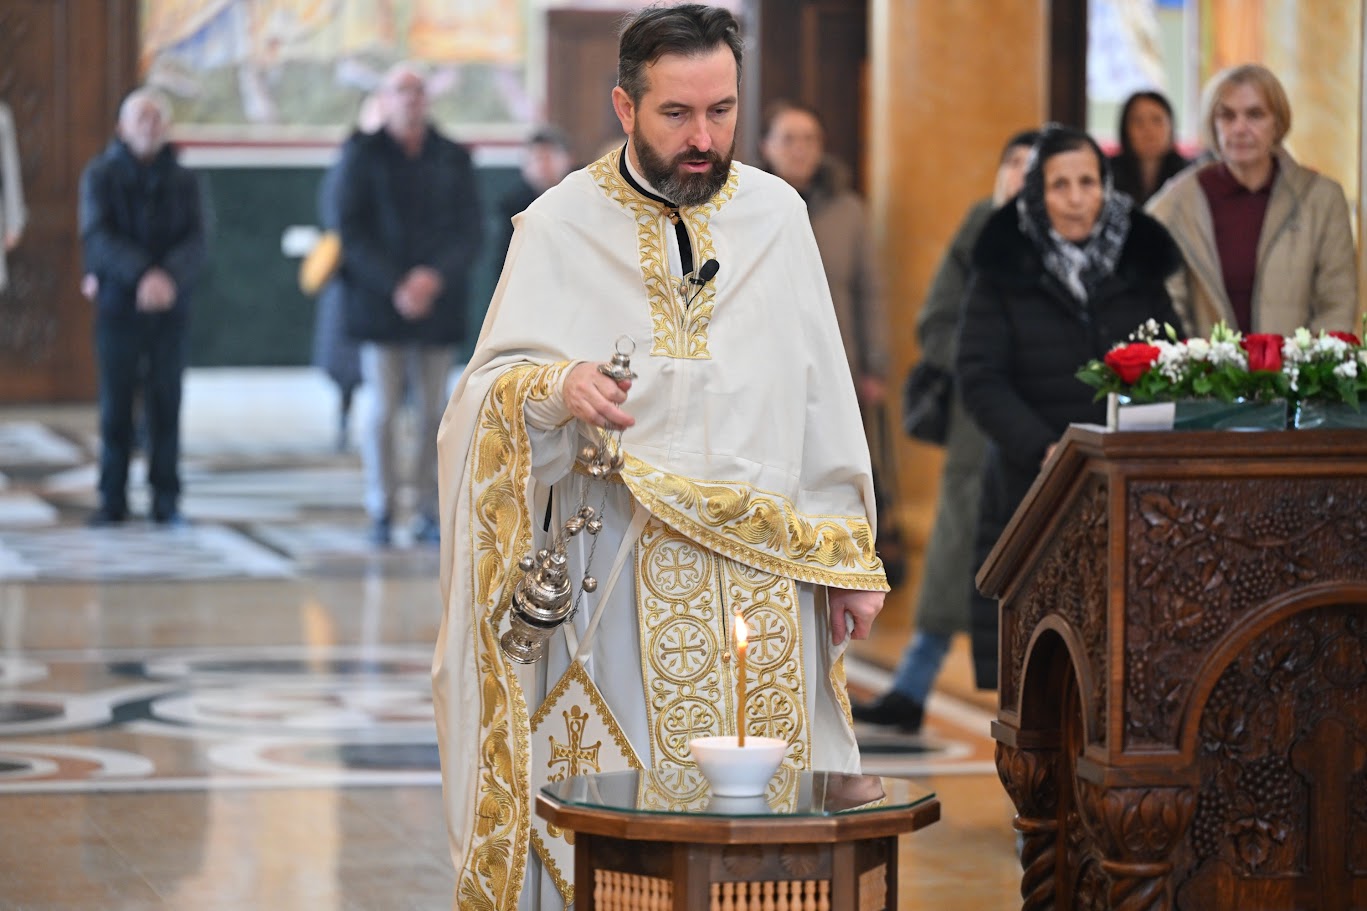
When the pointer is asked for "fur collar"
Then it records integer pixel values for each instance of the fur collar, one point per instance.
(1007, 256)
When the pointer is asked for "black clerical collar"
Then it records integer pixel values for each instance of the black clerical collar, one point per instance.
(672, 210)
(625, 168)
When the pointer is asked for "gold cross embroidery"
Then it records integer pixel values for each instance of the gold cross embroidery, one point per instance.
(576, 757)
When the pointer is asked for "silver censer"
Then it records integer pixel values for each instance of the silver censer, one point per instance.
(542, 598)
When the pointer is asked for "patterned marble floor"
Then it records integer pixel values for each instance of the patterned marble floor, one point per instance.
(236, 715)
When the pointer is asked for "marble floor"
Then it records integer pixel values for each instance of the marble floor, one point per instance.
(236, 714)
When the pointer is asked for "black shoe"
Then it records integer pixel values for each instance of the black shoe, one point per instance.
(172, 519)
(380, 535)
(892, 709)
(105, 517)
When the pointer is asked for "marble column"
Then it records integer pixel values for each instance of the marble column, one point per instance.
(949, 82)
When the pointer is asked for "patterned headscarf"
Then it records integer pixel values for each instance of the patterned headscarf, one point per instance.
(1081, 268)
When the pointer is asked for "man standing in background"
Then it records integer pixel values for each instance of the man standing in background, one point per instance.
(142, 234)
(411, 231)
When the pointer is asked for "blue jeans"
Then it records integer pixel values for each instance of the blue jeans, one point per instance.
(144, 352)
(920, 665)
(387, 369)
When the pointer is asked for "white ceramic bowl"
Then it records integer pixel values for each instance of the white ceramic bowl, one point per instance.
(757, 805)
(736, 771)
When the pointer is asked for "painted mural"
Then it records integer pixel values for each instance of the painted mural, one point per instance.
(280, 69)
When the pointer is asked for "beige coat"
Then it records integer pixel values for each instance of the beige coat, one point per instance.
(12, 212)
(841, 226)
(1306, 273)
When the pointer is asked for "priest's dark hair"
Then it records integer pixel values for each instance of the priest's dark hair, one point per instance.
(689, 29)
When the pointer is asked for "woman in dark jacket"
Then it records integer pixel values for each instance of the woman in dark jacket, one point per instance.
(1060, 275)
(1148, 150)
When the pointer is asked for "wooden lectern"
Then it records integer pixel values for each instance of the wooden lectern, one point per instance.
(1183, 672)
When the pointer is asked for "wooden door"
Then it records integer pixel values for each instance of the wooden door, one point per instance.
(814, 52)
(64, 67)
(581, 70)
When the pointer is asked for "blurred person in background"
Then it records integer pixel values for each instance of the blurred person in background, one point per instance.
(1148, 154)
(942, 602)
(334, 351)
(143, 239)
(1059, 277)
(411, 230)
(1267, 244)
(793, 146)
(545, 162)
(13, 215)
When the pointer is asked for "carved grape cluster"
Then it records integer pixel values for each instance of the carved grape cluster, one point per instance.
(1281, 522)
(1214, 622)
(1208, 827)
(1228, 692)
(1253, 581)
(1137, 679)
(1268, 782)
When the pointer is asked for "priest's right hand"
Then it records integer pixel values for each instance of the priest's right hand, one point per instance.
(594, 398)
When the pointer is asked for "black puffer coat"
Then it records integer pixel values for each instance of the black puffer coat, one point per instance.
(1022, 339)
(396, 213)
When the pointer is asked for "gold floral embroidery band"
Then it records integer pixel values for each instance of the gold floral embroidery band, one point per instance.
(679, 331)
(500, 529)
(761, 529)
(686, 596)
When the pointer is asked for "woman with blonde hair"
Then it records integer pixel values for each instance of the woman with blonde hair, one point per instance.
(1266, 243)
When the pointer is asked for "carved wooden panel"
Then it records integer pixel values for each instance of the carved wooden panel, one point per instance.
(1281, 815)
(1068, 581)
(1202, 555)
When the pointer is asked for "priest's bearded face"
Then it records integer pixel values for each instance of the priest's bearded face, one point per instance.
(683, 131)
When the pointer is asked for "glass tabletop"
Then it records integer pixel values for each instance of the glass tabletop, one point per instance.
(685, 791)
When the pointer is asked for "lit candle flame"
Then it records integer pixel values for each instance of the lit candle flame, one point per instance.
(741, 631)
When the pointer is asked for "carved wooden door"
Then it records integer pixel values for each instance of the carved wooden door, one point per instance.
(64, 66)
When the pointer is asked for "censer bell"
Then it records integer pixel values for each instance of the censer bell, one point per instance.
(543, 597)
(541, 602)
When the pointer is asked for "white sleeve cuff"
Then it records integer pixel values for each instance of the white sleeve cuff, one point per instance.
(550, 412)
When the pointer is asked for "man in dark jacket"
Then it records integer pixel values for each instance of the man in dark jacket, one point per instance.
(142, 233)
(411, 230)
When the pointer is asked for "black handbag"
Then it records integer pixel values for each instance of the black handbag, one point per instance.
(926, 399)
(891, 545)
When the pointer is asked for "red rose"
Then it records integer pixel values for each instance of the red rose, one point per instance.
(1348, 337)
(1264, 350)
(1132, 361)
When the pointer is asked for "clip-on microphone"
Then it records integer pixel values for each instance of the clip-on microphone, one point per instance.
(698, 279)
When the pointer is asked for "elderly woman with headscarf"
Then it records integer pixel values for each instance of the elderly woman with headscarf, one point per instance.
(1061, 274)
(1267, 243)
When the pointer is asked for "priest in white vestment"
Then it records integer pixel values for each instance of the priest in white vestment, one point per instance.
(746, 487)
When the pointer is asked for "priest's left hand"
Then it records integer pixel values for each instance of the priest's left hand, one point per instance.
(860, 606)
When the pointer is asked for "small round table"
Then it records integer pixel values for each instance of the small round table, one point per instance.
(660, 841)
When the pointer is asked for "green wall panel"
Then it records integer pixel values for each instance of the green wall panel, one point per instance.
(248, 310)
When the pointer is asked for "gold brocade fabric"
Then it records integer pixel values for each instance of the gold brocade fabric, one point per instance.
(686, 596)
(678, 330)
(573, 732)
(761, 529)
(500, 530)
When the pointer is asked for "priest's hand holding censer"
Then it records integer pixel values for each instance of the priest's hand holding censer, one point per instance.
(544, 597)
